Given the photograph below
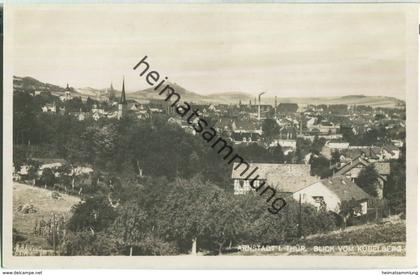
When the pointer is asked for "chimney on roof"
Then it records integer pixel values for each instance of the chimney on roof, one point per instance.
(259, 105)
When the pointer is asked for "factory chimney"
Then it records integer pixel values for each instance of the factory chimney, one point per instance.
(259, 105)
(275, 107)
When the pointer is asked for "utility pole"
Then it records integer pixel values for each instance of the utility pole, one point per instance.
(54, 228)
(300, 216)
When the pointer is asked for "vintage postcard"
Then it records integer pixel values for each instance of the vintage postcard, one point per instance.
(210, 135)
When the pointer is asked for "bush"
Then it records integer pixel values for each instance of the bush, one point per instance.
(263, 227)
(152, 245)
(47, 178)
(85, 243)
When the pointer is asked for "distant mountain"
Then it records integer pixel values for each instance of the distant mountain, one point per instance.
(32, 84)
(91, 92)
(150, 93)
(224, 97)
(231, 97)
(374, 101)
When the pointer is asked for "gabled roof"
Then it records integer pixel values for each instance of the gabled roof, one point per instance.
(390, 148)
(345, 189)
(383, 168)
(370, 152)
(287, 178)
(246, 125)
(49, 160)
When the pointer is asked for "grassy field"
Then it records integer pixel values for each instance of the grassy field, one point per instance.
(45, 206)
(384, 239)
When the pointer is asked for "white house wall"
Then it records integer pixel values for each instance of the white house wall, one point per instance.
(318, 189)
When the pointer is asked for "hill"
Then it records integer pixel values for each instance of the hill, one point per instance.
(232, 97)
(43, 203)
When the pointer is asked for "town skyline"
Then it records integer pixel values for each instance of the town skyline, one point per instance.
(231, 97)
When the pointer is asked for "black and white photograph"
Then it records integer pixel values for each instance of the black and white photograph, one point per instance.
(227, 135)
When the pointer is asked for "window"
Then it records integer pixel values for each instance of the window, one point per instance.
(318, 199)
(319, 202)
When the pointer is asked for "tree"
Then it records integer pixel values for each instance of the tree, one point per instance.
(317, 145)
(24, 118)
(226, 220)
(347, 209)
(130, 227)
(395, 186)
(277, 154)
(335, 157)
(185, 213)
(47, 178)
(19, 157)
(270, 129)
(33, 169)
(95, 214)
(85, 243)
(368, 180)
(320, 166)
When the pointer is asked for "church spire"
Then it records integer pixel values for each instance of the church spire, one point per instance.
(123, 100)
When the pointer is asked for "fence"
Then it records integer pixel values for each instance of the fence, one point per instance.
(377, 209)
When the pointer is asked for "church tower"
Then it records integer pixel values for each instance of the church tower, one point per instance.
(67, 93)
(111, 93)
(122, 105)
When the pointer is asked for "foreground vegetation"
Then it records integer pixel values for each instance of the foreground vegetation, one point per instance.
(155, 189)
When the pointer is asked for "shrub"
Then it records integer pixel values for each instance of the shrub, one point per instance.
(85, 243)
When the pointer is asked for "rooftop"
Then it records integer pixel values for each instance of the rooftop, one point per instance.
(287, 178)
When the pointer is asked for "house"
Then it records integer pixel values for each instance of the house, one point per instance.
(331, 193)
(352, 169)
(17, 83)
(372, 153)
(390, 151)
(82, 115)
(285, 178)
(67, 94)
(324, 128)
(49, 108)
(284, 143)
(96, 116)
(246, 130)
(288, 132)
(246, 126)
(398, 143)
(337, 145)
(245, 137)
(44, 163)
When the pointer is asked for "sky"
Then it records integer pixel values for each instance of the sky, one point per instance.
(283, 50)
